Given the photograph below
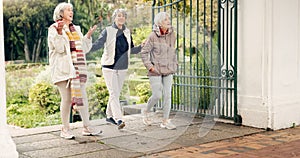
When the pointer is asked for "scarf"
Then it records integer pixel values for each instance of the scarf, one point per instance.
(78, 59)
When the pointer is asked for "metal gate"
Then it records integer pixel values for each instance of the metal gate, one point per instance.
(206, 81)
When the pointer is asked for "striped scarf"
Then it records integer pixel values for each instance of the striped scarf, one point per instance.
(78, 59)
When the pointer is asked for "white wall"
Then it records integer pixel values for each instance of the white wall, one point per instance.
(7, 146)
(269, 63)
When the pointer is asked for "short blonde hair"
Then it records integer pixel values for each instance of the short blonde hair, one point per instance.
(59, 10)
(160, 17)
(115, 13)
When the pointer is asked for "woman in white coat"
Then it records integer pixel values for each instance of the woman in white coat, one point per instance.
(67, 48)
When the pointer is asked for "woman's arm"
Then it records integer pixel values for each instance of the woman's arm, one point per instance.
(87, 39)
(135, 50)
(145, 53)
(99, 43)
(56, 42)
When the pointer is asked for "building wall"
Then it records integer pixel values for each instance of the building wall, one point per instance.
(7, 146)
(268, 63)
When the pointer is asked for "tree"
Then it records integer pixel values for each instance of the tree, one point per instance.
(26, 27)
(91, 12)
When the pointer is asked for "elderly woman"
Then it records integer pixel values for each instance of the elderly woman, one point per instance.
(117, 42)
(159, 57)
(67, 48)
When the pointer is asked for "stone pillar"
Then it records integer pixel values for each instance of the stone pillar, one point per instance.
(268, 63)
(7, 146)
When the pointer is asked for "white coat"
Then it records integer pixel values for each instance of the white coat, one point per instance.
(60, 59)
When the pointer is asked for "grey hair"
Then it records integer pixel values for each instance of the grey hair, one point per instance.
(160, 17)
(115, 13)
(59, 10)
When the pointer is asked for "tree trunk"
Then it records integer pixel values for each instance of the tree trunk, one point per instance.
(33, 53)
(37, 47)
(12, 52)
(26, 48)
(38, 50)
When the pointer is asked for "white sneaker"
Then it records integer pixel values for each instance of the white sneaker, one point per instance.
(146, 120)
(89, 131)
(66, 133)
(167, 124)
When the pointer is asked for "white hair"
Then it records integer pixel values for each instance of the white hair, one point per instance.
(59, 10)
(160, 17)
(115, 13)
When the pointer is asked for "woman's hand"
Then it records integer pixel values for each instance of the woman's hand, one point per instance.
(59, 26)
(151, 69)
(143, 43)
(91, 31)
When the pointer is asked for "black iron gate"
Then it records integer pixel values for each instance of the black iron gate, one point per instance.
(206, 81)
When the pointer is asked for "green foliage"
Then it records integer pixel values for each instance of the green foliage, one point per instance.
(89, 13)
(203, 17)
(139, 35)
(25, 66)
(46, 96)
(19, 78)
(25, 28)
(28, 116)
(143, 91)
(98, 98)
(18, 99)
(24, 115)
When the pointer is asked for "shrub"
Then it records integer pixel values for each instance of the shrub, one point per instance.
(23, 66)
(46, 96)
(140, 34)
(30, 115)
(98, 98)
(143, 91)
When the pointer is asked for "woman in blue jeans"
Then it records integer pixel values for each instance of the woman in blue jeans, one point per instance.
(159, 57)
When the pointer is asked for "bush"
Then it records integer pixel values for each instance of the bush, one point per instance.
(139, 35)
(144, 92)
(46, 96)
(23, 66)
(98, 98)
(30, 115)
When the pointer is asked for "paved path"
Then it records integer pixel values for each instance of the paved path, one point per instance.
(194, 137)
(268, 144)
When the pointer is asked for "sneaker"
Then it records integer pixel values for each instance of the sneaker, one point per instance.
(146, 120)
(88, 131)
(121, 124)
(167, 124)
(111, 120)
(66, 134)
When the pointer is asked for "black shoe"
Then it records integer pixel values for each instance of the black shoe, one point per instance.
(120, 124)
(111, 120)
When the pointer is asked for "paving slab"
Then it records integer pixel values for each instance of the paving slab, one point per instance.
(44, 144)
(110, 153)
(135, 140)
(33, 138)
(66, 150)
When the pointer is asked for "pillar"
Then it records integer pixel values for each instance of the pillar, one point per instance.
(7, 146)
